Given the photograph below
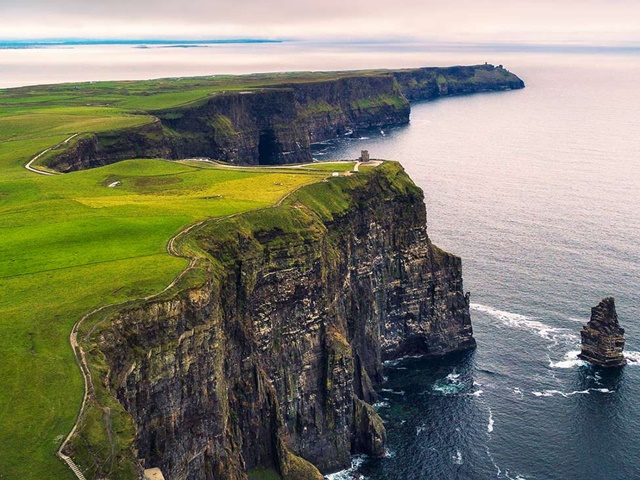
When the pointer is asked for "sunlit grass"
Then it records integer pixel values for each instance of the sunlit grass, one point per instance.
(71, 243)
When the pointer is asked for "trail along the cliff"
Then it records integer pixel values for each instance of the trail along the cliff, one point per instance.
(79, 353)
(42, 172)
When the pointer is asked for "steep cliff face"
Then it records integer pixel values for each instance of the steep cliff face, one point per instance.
(96, 150)
(277, 124)
(272, 362)
(431, 82)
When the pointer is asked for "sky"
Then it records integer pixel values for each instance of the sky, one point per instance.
(579, 22)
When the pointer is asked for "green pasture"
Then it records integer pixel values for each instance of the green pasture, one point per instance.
(70, 243)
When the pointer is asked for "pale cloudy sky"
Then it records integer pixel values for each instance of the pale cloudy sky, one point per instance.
(525, 21)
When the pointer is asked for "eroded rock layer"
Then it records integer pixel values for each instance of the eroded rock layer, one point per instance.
(602, 337)
(271, 363)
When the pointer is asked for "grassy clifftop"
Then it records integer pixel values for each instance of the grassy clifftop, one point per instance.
(71, 243)
(130, 334)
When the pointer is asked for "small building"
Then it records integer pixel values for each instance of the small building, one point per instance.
(364, 156)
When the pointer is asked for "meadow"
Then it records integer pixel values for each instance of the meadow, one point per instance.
(71, 243)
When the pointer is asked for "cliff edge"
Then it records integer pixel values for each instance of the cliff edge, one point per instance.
(276, 122)
(268, 361)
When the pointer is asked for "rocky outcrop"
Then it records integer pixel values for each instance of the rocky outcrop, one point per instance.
(271, 363)
(430, 83)
(276, 124)
(97, 150)
(602, 336)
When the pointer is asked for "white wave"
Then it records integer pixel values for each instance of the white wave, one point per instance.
(490, 425)
(516, 320)
(382, 404)
(397, 361)
(364, 138)
(476, 393)
(457, 458)
(517, 477)
(390, 390)
(450, 385)
(419, 430)
(633, 358)
(578, 320)
(518, 393)
(570, 360)
(389, 453)
(551, 393)
(347, 474)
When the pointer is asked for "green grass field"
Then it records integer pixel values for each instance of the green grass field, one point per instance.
(70, 243)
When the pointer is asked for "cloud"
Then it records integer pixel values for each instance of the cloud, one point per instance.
(545, 21)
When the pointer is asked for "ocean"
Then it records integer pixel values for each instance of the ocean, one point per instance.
(538, 191)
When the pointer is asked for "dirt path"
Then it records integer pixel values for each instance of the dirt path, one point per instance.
(173, 249)
(249, 167)
(42, 172)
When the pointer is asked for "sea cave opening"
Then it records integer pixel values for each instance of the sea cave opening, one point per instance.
(268, 149)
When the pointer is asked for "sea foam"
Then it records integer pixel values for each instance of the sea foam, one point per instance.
(348, 474)
(570, 360)
(530, 324)
(552, 393)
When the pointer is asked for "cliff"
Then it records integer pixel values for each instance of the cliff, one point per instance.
(602, 336)
(269, 361)
(430, 83)
(276, 124)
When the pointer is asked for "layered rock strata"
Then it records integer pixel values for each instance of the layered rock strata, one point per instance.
(602, 336)
(277, 124)
(272, 362)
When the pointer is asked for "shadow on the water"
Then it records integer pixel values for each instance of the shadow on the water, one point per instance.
(430, 409)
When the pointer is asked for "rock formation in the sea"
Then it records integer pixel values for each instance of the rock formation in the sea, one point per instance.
(602, 336)
(278, 124)
(271, 363)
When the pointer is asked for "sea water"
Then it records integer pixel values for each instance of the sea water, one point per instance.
(538, 191)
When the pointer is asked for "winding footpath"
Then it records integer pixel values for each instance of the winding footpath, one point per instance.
(42, 172)
(79, 353)
(81, 359)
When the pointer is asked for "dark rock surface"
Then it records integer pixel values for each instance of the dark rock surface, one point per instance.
(272, 362)
(278, 124)
(602, 337)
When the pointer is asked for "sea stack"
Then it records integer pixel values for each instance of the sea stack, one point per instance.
(602, 337)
